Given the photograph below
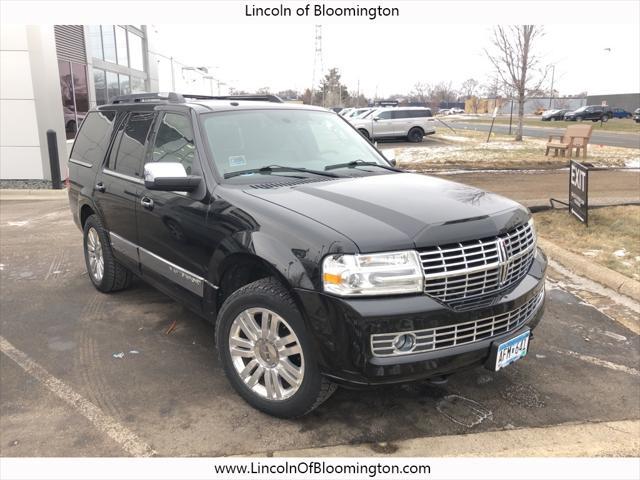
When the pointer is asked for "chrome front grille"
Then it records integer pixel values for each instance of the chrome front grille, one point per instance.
(439, 338)
(475, 269)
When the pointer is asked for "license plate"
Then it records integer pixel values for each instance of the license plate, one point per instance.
(512, 350)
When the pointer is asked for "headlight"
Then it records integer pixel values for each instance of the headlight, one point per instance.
(373, 274)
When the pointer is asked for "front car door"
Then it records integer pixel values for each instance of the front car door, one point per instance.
(172, 226)
(382, 127)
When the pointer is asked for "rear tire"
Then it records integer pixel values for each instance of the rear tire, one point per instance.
(605, 118)
(415, 135)
(273, 367)
(106, 274)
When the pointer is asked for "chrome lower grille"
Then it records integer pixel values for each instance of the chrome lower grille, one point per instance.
(439, 338)
(479, 268)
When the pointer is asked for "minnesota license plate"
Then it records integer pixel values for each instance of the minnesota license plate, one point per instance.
(512, 350)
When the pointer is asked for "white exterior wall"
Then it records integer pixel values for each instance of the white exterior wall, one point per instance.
(19, 143)
(29, 102)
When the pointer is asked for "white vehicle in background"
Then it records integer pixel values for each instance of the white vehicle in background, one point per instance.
(412, 123)
(356, 112)
(345, 111)
(455, 111)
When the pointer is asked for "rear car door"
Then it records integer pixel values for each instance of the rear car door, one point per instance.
(400, 122)
(119, 184)
(172, 226)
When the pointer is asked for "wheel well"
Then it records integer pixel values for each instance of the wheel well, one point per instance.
(85, 212)
(364, 132)
(242, 270)
(419, 128)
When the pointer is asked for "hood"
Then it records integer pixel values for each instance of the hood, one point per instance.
(399, 211)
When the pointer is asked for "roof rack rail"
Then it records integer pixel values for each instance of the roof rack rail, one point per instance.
(173, 97)
(255, 98)
(149, 97)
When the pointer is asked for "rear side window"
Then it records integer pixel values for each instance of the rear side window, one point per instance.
(93, 138)
(174, 141)
(130, 155)
(401, 114)
(384, 115)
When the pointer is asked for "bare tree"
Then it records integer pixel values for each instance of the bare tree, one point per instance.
(469, 88)
(517, 66)
(420, 93)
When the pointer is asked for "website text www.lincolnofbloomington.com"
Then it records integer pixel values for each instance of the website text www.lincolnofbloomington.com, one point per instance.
(322, 469)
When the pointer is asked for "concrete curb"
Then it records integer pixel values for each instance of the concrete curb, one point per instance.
(31, 194)
(598, 273)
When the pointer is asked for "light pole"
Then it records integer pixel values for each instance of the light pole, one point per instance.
(553, 74)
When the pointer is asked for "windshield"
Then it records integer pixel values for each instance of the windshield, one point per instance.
(254, 139)
(581, 109)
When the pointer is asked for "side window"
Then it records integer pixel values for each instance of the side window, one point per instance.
(386, 115)
(93, 138)
(174, 141)
(130, 154)
(399, 114)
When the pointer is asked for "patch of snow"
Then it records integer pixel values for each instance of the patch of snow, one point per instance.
(632, 162)
(620, 253)
(591, 253)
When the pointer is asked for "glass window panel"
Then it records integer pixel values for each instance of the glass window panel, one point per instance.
(121, 45)
(93, 139)
(135, 52)
(68, 106)
(95, 37)
(137, 85)
(109, 43)
(174, 141)
(131, 151)
(101, 86)
(125, 86)
(113, 89)
(80, 88)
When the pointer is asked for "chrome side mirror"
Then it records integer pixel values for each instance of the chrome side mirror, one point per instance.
(169, 177)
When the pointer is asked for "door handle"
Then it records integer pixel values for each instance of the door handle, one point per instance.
(147, 203)
(100, 187)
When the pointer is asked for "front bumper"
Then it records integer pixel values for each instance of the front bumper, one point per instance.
(342, 327)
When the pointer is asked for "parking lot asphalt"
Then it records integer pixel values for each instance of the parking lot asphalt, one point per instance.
(88, 374)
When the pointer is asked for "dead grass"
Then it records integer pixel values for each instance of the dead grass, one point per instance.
(612, 238)
(615, 125)
(468, 149)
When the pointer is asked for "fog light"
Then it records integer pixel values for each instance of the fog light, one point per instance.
(404, 342)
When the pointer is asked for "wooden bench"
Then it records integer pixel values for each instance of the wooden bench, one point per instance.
(575, 136)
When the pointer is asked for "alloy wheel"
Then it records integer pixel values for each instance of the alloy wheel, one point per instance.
(266, 354)
(96, 258)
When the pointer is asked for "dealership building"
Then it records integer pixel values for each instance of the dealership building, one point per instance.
(52, 75)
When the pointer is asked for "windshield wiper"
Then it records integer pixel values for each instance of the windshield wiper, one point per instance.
(361, 163)
(279, 168)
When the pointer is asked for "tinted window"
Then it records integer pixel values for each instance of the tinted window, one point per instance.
(400, 114)
(131, 151)
(385, 115)
(174, 141)
(93, 138)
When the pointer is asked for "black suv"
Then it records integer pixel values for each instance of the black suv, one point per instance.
(319, 262)
(594, 113)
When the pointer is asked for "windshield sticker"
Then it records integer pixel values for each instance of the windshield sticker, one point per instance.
(237, 161)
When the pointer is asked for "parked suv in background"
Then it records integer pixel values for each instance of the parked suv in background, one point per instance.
(412, 123)
(636, 115)
(595, 113)
(318, 262)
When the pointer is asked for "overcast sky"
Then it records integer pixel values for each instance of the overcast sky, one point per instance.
(392, 58)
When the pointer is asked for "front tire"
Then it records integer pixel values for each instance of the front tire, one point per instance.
(415, 135)
(106, 274)
(364, 133)
(266, 351)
